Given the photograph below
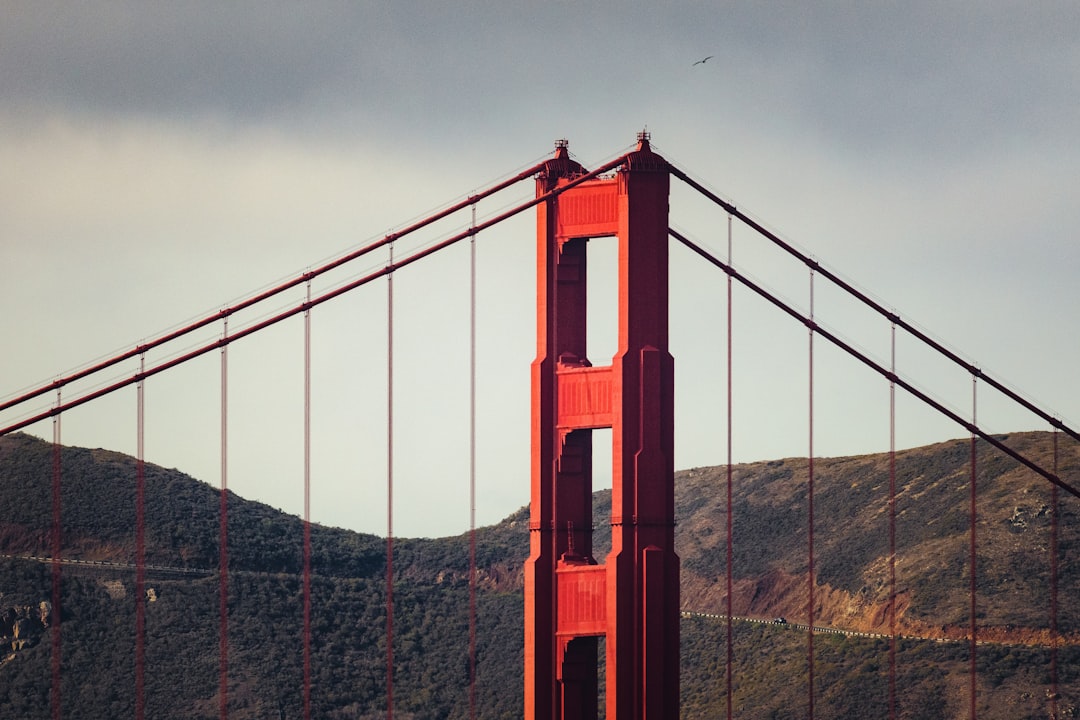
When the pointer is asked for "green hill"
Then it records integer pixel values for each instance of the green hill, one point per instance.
(431, 594)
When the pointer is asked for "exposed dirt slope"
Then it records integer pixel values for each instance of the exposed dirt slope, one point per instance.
(851, 540)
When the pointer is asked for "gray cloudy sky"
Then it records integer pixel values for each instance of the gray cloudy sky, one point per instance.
(160, 160)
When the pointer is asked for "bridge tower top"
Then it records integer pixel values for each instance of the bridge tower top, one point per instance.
(632, 599)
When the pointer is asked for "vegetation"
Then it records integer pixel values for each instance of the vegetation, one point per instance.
(430, 613)
(851, 676)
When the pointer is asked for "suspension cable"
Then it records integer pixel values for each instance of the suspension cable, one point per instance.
(472, 472)
(307, 507)
(326, 296)
(976, 434)
(883, 371)
(973, 559)
(1054, 568)
(877, 307)
(140, 545)
(810, 507)
(276, 290)
(892, 521)
(56, 561)
(730, 504)
(223, 538)
(390, 487)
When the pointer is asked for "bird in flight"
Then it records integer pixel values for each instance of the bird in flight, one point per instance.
(702, 61)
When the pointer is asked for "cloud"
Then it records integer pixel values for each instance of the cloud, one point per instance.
(877, 82)
(159, 161)
(175, 59)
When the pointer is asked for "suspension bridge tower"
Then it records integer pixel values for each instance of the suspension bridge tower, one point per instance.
(632, 599)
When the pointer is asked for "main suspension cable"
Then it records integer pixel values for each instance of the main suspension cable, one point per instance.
(326, 296)
(873, 365)
(271, 292)
(874, 305)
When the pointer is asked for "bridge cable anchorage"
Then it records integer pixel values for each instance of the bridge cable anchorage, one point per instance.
(873, 365)
(390, 483)
(56, 560)
(325, 297)
(875, 306)
(271, 292)
(472, 470)
(307, 503)
(223, 532)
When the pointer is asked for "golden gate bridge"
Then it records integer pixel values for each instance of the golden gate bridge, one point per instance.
(572, 599)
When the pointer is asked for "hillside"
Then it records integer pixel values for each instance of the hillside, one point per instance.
(851, 539)
(431, 591)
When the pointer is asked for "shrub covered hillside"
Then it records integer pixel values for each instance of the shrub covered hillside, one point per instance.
(265, 611)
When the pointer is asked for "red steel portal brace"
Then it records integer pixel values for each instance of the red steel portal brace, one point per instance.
(632, 600)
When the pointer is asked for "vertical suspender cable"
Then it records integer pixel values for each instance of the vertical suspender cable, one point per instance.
(140, 545)
(730, 509)
(307, 506)
(472, 471)
(810, 513)
(56, 526)
(1054, 586)
(973, 577)
(390, 487)
(223, 538)
(892, 525)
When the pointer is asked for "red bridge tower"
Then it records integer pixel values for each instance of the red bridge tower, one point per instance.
(632, 600)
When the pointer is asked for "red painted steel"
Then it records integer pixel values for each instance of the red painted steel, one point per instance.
(879, 369)
(729, 525)
(866, 300)
(582, 598)
(472, 472)
(1054, 637)
(140, 549)
(276, 290)
(307, 509)
(810, 579)
(973, 671)
(56, 548)
(585, 397)
(590, 211)
(390, 489)
(633, 598)
(223, 562)
(285, 314)
(892, 523)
